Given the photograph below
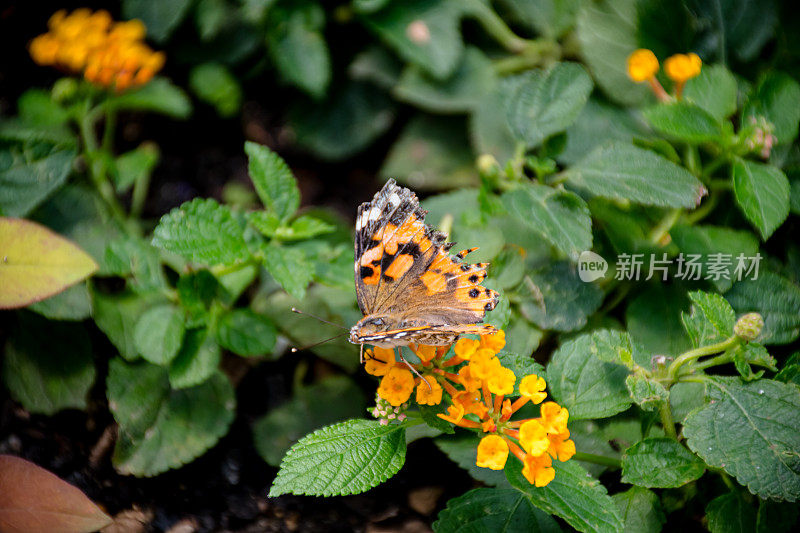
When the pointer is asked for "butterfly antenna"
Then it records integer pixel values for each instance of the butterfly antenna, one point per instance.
(295, 349)
(299, 312)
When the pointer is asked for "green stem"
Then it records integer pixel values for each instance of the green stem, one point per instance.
(664, 225)
(597, 459)
(714, 165)
(108, 129)
(223, 270)
(139, 195)
(666, 420)
(704, 210)
(691, 355)
(499, 30)
(536, 53)
(721, 359)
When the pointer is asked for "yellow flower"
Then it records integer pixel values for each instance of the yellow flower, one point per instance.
(642, 65)
(682, 67)
(468, 380)
(378, 361)
(533, 437)
(501, 381)
(130, 30)
(561, 447)
(425, 353)
(44, 49)
(554, 417)
(396, 386)
(538, 470)
(492, 452)
(483, 363)
(429, 392)
(465, 347)
(532, 387)
(494, 341)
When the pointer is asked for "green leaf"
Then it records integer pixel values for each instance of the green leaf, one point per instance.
(560, 301)
(648, 394)
(775, 517)
(640, 510)
(202, 231)
(730, 512)
(654, 323)
(423, 32)
(776, 299)
(289, 268)
(48, 365)
(607, 32)
(160, 16)
(73, 303)
(135, 165)
(196, 293)
(686, 397)
(159, 95)
(246, 333)
(714, 90)
(762, 192)
(550, 18)
(462, 449)
(622, 171)
(29, 172)
(346, 458)
(489, 130)
(214, 84)
(484, 509)
(560, 216)
(38, 107)
(660, 463)
(283, 426)
(581, 380)
(573, 495)
(776, 98)
(546, 102)
(303, 227)
(459, 93)
(37, 263)
(710, 318)
(347, 123)
(297, 46)
(684, 121)
(273, 180)
(790, 373)
(376, 65)
(739, 29)
(160, 428)
(117, 315)
(159, 333)
(708, 240)
(750, 431)
(197, 360)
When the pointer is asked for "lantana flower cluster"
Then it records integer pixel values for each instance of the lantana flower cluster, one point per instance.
(107, 53)
(643, 67)
(480, 395)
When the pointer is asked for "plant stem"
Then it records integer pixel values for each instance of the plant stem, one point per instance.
(721, 359)
(704, 210)
(664, 225)
(666, 420)
(498, 29)
(535, 53)
(139, 195)
(597, 459)
(691, 355)
(108, 129)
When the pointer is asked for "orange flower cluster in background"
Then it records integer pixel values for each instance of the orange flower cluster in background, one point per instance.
(643, 66)
(477, 396)
(109, 54)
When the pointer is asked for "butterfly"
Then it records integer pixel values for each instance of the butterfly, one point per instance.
(408, 286)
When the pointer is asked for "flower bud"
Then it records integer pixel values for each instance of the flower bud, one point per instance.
(642, 65)
(487, 164)
(64, 89)
(749, 326)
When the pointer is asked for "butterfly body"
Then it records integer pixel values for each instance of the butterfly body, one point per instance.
(408, 285)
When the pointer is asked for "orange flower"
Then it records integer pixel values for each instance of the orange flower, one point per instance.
(396, 386)
(533, 437)
(465, 348)
(554, 417)
(378, 361)
(561, 447)
(429, 392)
(682, 67)
(642, 65)
(538, 470)
(468, 380)
(483, 363)
(492, 452)
(494, 341)
(532, 387)
(425, 353)
(501, 381)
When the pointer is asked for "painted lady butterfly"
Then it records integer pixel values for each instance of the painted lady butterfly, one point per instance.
(410, 289)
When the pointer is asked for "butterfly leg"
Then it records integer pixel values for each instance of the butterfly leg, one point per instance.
(399, 353)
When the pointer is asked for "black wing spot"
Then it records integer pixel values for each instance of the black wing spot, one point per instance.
(464, 267)
(488, 292)
(474, 293)
(366, 272)
(373, 243)
(489, 306)
(473, 278)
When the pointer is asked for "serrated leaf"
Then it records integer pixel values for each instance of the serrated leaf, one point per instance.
(282, 427)
(776, 98)
(196, 361)
(573, 495)
(117, 315)
(550, 18)
(762, 192)
(214, 84)
(684, 121)
(429, 414)
(346, 458)
(730, 512)
(648, 394)
(560, 216)
(459, 93)
(29, 172)
(462, 449)
(776, 299)
(159, 95)
(776, 517)
(583, 383)
(714, 90)
(685, 397)
(750, 431)
(708, 240)
(35, 500)
(710, 318)
(159, 333)
(654, 323)
(246, 333)
(660, 463)
(161, 17)
(159, 428)
(273, 180)
(202, 231)
(640, 510)
(303, 227)
(622, 171)
(135, 165)
(546, 102)
(483, 509)
(489, 131)
(37, 263)
(289, 268)
(48, 366)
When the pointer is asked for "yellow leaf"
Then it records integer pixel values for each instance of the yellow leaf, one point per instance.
(36, 263)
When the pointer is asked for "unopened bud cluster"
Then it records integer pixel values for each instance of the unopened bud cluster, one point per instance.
(386, 412)
(749, 326)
